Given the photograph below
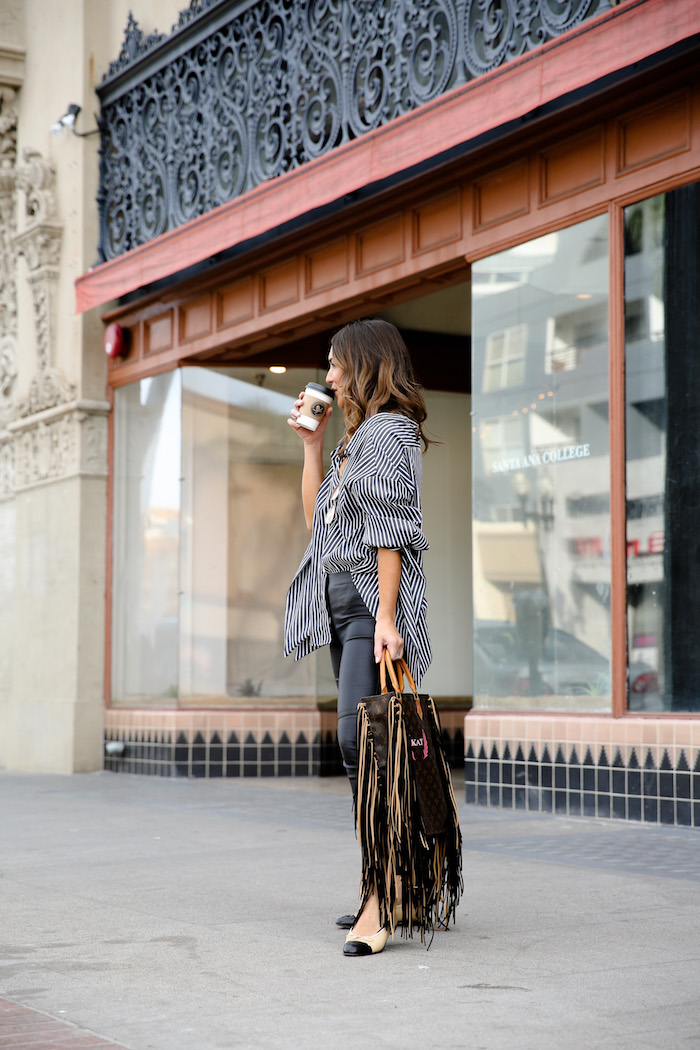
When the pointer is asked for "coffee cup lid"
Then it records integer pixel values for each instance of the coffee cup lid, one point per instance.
(321, 389)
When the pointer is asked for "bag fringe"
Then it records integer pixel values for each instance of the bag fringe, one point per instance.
(395, 849)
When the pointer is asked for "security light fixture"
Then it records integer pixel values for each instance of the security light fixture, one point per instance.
(68, 121)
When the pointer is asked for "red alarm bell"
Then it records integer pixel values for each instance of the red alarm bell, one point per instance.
(115, 341)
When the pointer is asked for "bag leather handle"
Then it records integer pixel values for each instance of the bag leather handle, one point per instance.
(403, 668)
(396, 680)
(400, 666)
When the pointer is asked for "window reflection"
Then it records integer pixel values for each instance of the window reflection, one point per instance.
(207, 535)
(541, 470)
(146, 538)
(242, 536)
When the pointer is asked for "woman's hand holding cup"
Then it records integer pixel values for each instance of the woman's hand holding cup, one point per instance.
(310, 413)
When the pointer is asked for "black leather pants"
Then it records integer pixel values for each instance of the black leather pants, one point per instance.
(352, 657)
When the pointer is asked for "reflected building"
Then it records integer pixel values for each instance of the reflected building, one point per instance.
(540, 448)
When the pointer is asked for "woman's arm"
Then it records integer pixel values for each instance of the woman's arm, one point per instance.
(385, 634)
(313, 471)
(311, 479)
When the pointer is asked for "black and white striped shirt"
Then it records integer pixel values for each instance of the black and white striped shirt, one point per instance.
(378, 505)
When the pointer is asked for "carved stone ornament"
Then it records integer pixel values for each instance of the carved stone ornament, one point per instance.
(7, 465)
(61, 442)
(8, 250)
(48, 389)
(45, 451)
(49, 434)
(8, 128)
(8, 374)
(37, 177)
(40, 244)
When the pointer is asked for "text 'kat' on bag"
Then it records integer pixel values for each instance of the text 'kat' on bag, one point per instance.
(407, 820)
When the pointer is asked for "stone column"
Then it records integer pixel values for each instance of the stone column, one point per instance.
(8, 380)
(53, 468)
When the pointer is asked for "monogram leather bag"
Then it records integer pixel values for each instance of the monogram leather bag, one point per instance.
(407, 818)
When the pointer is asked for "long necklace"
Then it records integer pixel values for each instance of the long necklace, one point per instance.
(330, 513)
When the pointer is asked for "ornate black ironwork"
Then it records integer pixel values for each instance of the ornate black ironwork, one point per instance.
(243, 90)
(135, 44)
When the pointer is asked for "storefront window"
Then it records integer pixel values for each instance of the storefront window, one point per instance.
(662, 302)
(208, 534)
(146, 539)
(541, 468)
(243, 535)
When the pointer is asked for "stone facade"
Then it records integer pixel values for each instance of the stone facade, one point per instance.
(53, 394)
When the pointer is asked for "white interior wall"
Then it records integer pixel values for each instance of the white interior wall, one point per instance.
(447, 524)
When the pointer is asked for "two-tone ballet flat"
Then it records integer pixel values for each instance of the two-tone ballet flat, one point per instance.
(356, 945)
(346, 922)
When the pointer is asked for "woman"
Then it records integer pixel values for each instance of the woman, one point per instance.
(360, 586)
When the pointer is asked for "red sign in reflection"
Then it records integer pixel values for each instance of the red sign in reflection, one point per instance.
(592, 546)
(654, 545)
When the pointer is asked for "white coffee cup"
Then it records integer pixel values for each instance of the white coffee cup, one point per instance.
(315, 404)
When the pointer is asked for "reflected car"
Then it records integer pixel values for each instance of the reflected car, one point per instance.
(563, 667)
(644, 688)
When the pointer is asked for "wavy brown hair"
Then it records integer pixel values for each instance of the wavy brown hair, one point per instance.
(379, 374)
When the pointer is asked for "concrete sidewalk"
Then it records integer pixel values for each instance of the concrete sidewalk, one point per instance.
(199, 915)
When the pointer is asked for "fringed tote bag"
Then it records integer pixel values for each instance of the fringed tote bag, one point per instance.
(406, 814)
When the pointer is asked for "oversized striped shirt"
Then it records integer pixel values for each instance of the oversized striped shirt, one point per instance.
(377, 505)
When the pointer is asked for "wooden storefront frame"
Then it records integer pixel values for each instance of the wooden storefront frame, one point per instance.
(422, 235)
(425, 235)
